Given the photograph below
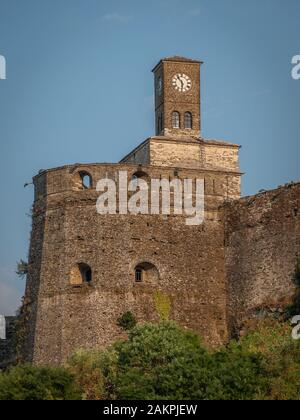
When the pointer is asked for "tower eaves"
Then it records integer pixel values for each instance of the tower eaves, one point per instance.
(177, 59)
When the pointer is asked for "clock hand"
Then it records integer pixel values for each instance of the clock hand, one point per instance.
(181, 81)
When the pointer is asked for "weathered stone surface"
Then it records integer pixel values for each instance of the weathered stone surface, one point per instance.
(82, 275)
(188, 153)
(262, 247)
(68, 231)
(240, 259)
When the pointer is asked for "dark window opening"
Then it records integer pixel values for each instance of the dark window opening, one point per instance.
(160, 123)
(86, 273)
(138, 275)
(146, 273)
(86, 180)
(140, 175)
(80, 274)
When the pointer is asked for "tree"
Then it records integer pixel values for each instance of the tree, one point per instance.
(26, 382)
(163, 361)
(241, 373)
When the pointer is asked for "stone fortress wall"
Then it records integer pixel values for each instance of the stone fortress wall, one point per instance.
(85, 269)
(188, 263)
(262, 246)
(216, 275)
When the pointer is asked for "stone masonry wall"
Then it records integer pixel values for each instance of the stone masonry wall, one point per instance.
(262, 247)
(187, 153)
(68, 231)
(140, 155)
(241, 260)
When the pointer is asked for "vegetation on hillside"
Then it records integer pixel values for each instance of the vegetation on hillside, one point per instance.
(27, 382)
(164, 361)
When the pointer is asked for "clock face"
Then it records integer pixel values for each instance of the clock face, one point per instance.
(159, 86)
(182, 82)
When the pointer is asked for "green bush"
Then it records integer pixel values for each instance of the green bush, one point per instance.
(272, 339)
(27, 382)
(164, 361)
(127, 321)
(94, 373)
(240, 373)
(152, 362)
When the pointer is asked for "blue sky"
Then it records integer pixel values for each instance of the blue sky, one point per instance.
(79, 89)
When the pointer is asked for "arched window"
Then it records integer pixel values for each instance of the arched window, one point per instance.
(86, 273)
(81, 273)
(87, 181)
(176, 119)
(188, 120)
(140, 175)
(83, 180)
(146, 273)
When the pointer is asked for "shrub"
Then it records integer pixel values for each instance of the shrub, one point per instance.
(240, 373)
(166, 362)
(94, 373)
(281, 354)
(127, 321)
(152, 363)
(27, 382)
(22, 269)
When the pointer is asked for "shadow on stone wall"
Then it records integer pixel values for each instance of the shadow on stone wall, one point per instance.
(8, 346)
(262, 249)
(26, 333)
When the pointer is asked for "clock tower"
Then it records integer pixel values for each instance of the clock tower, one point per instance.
(177, 97)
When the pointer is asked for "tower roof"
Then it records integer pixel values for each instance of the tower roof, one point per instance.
(178, 59)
